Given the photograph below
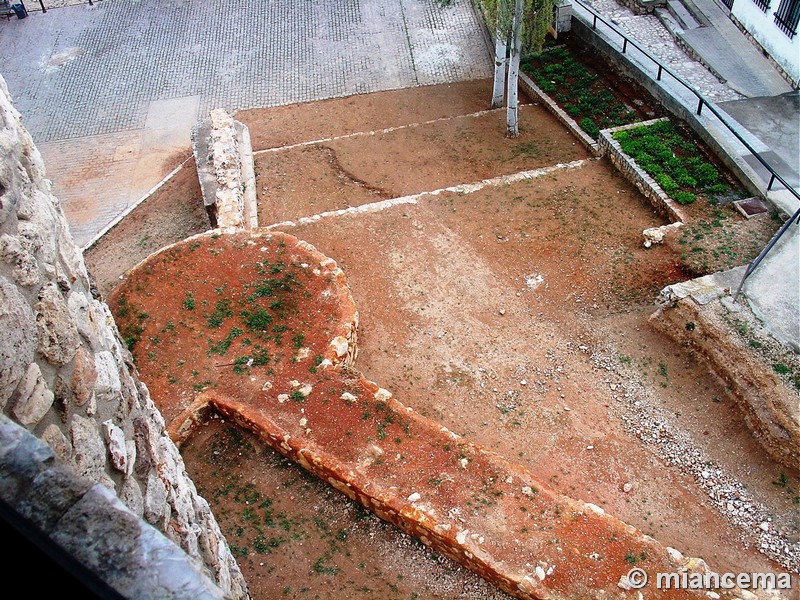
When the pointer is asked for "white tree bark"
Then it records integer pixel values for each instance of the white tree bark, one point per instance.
(500, 59)
(512, 110)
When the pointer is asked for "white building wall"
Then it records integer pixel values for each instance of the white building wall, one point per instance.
(783, 50)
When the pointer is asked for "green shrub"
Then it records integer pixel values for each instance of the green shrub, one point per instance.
(590, 128)
(717, 188)
(667, 183)
(257, 320)
(706, 174)
(684, 197)
(622, 137)
(684, 179)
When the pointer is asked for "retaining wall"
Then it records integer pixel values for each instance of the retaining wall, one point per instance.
(66, 376)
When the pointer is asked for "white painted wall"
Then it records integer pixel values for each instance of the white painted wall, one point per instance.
(785, 51)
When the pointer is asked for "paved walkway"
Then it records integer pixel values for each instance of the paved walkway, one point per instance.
(110, 91)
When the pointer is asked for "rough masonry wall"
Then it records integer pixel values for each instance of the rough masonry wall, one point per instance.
(66, 376)
(224, 158)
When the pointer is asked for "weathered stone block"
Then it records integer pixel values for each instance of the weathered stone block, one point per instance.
(84, 377)
(58, 335)
(18, 342)
(33, 398)
(56, 439)
(116, 444)
(90, 452)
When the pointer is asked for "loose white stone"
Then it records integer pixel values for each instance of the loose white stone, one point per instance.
(382, 395)
(595, 509)
(414, 497)
(540, 573)
(340, 346)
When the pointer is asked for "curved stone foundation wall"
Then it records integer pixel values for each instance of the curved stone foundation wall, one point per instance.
(470, 504)
(66, 376)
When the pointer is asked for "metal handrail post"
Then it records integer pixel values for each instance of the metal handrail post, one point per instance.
(752, 266)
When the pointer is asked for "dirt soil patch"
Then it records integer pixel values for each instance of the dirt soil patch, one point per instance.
(516, 315)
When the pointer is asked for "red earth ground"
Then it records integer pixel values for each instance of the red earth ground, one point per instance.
(516, 315)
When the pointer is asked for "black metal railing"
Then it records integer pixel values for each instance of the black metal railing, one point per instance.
(787, 17)
(757, 261)
(703, 103)
(762, 4)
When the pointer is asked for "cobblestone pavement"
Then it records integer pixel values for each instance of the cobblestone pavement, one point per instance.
(84, 71)
(648, 31)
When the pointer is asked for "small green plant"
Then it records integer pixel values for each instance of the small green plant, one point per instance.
(780, 368)
(298, 340)
(257, 319)
(189, 301)
(632, 558)
(684, 197)
(782, 480)
(222, 310)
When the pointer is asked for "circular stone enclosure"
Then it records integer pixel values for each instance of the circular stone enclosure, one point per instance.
(240, 312)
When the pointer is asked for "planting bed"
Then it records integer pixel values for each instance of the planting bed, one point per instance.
(587, 90)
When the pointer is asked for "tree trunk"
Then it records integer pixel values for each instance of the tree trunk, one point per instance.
(512, 111)
(500, 59)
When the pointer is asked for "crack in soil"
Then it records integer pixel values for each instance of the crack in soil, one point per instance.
(348, 178)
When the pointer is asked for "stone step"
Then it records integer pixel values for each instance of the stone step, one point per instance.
(682, 15)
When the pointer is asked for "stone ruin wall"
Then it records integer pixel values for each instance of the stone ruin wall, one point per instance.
(224, 158)
(66, 376)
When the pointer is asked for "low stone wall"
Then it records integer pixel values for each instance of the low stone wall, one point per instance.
(501, 542)
(224, 159)
(644, 183)
(66, 376)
